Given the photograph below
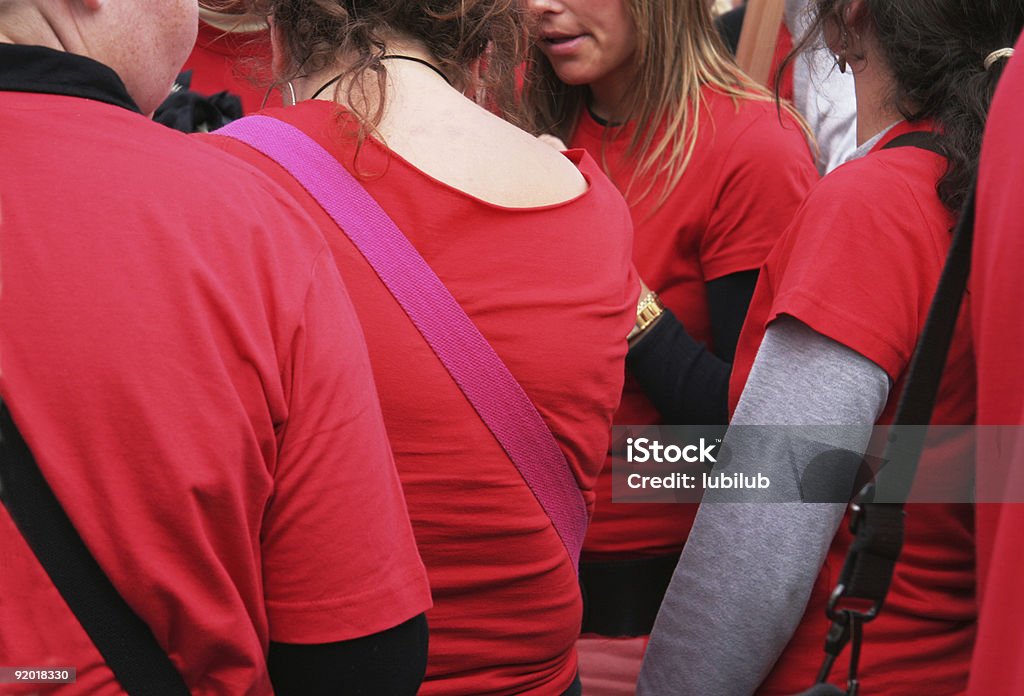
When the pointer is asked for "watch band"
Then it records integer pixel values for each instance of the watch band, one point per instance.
(648, 309)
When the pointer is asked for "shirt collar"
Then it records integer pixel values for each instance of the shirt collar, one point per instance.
(870, 144)
(47, 71)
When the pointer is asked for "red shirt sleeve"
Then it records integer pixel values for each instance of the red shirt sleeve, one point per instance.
(765, 177)
(836, 280)
(339, 556)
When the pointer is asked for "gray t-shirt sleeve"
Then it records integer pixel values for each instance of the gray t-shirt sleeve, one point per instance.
(747, 570)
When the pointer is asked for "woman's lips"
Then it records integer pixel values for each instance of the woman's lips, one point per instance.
(562, 45)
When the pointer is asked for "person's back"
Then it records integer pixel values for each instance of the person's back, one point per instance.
(534, 246)
(996, 312)
(183, 361)
(506, 597)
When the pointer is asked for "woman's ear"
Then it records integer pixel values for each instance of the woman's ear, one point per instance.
(854, 15)
(854, 21)
(277, 48)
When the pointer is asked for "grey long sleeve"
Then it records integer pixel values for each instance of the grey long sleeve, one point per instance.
(746, 573)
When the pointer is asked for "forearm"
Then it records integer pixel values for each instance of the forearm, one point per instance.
(746, 572)
(686, 381)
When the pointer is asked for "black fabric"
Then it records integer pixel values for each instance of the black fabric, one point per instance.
(922, 140)
(873, 553)
(621, 598)
(191, 112)
(388, 663)
(728, 301)
(46, 71)
(575, 689)
(730, 26)
(685, 381)
(122, 638)
(823, 690)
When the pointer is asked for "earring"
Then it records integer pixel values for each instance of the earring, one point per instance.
(291, 93)
(844, 46)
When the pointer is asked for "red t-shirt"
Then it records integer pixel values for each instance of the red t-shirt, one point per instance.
(859, 265)
(999, 337)
(553, 291)
(746, 178)
(233, 62)
(186, 366)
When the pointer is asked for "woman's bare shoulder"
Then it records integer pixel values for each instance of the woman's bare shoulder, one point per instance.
(483, 155)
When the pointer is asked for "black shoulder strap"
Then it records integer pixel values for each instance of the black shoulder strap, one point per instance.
(122, 638)
(918, 398)
(878, 527)
(922, 140)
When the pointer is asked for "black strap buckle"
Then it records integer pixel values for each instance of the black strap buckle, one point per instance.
(847, 628)
(836, 608)
(864, 581)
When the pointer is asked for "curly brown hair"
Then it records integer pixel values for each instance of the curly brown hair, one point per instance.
(478, 43)
(936, 51)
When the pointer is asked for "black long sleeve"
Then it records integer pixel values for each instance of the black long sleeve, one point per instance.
(730, 26)
(389, 663)
(688, 383)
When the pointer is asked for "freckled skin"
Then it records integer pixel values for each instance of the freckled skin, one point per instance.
(148, 43)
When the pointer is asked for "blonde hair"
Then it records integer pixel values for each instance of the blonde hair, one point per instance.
(678, 52)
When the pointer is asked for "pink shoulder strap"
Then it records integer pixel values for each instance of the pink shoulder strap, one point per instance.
(471, 361)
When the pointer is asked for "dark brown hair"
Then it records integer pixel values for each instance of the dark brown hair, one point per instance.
(478, 43)
(936, 51)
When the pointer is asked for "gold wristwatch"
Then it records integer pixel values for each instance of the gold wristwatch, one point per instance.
(648, 309)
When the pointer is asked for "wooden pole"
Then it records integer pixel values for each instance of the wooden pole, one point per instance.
(759, 37)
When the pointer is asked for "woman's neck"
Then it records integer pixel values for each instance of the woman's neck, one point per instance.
(608, 95)
(875, 111)
(874, 85)
(307, 86)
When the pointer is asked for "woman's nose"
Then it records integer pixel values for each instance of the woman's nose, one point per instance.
(544, 5)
